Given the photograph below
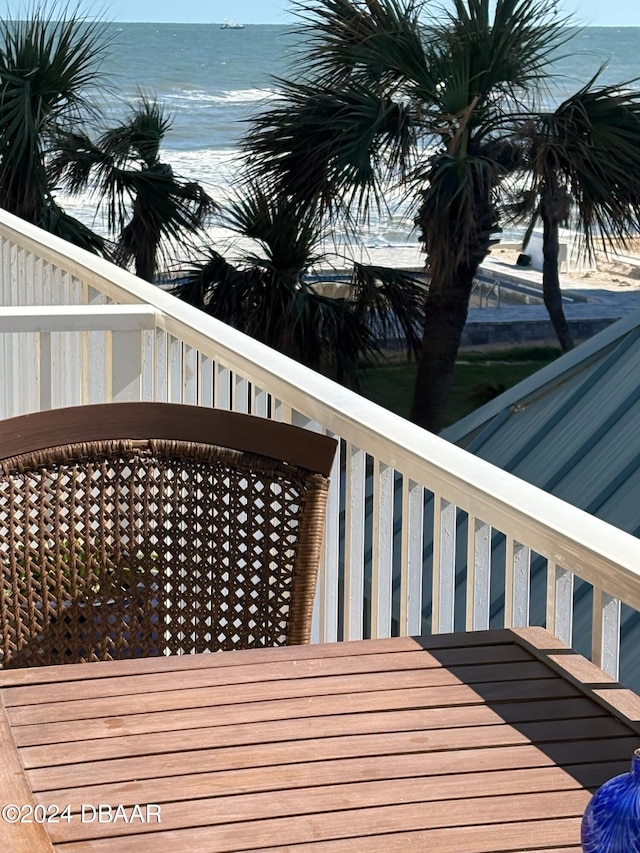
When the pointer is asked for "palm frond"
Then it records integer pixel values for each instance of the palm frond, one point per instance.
(49, 65)
(74, 159)
(588, 150)
(52, 218)
(330, 145)
(272, 299)
(165, 209)
(140, 136)
(283, 312)
(143, 200)
(391, 302)
(287, 230)
(507, 44)
(375, 41)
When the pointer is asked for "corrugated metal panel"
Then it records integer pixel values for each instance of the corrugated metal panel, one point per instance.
(537, 386)
(576, 436)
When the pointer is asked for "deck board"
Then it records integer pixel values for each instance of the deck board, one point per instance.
(242, 657)
(362, 823)
(587, 714)
(478, 743)
(136, 721)
(444, 744)
(370, 807)
(357, 781)
(269, 671)
(288, 686)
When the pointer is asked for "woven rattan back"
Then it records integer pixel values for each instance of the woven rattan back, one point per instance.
(124, 533)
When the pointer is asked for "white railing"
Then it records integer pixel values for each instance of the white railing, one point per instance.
(421, 535)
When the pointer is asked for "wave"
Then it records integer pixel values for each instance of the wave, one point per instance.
(232, 96)
(219, 171)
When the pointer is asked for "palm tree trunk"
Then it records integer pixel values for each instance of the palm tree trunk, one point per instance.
(445, 316)
(551, 279)
(145, 265)
(455, 250)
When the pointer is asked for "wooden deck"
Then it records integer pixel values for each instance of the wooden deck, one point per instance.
(461, 743)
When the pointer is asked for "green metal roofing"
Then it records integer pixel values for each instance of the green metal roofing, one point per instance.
(572, 428)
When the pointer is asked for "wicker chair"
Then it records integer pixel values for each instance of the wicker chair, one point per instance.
(142, 529)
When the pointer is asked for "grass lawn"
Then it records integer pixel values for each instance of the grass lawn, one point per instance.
(478, 378)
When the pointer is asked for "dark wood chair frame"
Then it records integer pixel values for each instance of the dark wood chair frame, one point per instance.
(139, 529)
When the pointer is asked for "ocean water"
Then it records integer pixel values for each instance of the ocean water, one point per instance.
(211, 81)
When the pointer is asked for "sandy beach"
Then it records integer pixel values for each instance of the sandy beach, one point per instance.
(619, 270)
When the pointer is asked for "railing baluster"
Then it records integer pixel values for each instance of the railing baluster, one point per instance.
(44, 371)
(605, 638)
(19, 343)
(282, 412)
(330, 564)
(20, 277)
(517, 584)
(478, 574)
(96, 355)
(444, 565)
(190, 377)
(560, 602)
(5, 345)
(161, 359)
(29, 358)
(4, 252)
(64, 345)
(176, 387)
(27, 295)
(354, 544)
(85, 343)
(260, 401)
(240, 394)
(37, 285)
(58, 384)
(9, 361)
(382, 550)
(47, 286)
(85, 369)
(77, 343)
(223, 389)
(550, 623)
(148, 364)
(411, 558)
(206, 382)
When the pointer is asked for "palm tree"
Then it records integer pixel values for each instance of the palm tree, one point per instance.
(437, 108)
(49, 64)
(147, 206)
(582, 161)
(270, 296)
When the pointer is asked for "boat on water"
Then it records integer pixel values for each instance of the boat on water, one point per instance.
(231, 25)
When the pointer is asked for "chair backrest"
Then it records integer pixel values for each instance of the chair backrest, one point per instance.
(141, 529)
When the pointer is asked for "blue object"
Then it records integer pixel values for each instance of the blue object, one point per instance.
(611, 822)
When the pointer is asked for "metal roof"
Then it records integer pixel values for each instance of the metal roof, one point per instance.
(572, 428)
